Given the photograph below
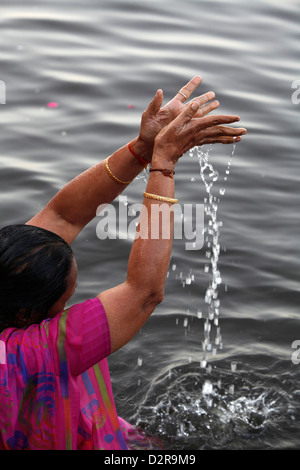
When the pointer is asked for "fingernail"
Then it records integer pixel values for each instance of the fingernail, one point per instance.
(195, 106)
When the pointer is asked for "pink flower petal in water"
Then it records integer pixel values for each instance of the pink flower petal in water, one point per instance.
(52, 104)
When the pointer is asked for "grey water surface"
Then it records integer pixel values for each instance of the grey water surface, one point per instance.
(102, 62)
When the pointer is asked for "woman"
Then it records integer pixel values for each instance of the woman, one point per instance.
(55, 390)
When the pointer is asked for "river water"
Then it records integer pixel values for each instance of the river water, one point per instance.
(101, 63)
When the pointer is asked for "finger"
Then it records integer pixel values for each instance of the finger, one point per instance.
(221, 140)
(224, 131)
(208, 108)
(192, 108)
(216, 120)
(156, 103)
(219, 134)
(203, 99)
(188, 112)
(186, 91)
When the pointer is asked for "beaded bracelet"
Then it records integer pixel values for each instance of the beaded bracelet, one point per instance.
(160, 198)
(164, 171)
(113, 176)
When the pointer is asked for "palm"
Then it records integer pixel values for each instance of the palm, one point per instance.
(153, 124)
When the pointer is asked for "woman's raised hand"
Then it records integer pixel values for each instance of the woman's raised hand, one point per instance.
(155, 117)
(206, 130)
(188, 130)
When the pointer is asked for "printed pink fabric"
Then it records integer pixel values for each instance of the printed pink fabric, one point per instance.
(55, 388)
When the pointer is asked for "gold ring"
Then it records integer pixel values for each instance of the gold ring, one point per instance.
(180, 93)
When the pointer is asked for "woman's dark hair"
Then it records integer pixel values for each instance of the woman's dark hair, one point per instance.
(34, 269)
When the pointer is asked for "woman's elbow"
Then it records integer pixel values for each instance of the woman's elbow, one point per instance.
(154, 299)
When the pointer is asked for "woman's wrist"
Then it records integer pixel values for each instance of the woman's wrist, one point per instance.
(162, 161)
(143, 149)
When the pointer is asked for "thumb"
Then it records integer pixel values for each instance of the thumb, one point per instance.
(156, 103)
(188, 112)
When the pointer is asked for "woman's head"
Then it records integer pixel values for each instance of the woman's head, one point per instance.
(37, 275)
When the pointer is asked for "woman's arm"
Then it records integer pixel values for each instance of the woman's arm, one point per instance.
(75, 205)
(129, 305)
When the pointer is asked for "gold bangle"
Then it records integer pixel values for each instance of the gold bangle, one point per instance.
(113, 176)
(161, 198)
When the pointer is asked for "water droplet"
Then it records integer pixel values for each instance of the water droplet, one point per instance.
(191, 152)
(207, 387)
(139, 361)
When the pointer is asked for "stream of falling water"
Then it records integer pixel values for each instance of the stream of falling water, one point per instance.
(212, 329)
(212, 341)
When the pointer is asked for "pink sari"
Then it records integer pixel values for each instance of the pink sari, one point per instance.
(55, 388)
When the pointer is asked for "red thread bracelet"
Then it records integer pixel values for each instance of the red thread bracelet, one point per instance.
(141, 160)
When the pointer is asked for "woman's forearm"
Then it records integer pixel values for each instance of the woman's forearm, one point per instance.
(150, 254)
(75, 205)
